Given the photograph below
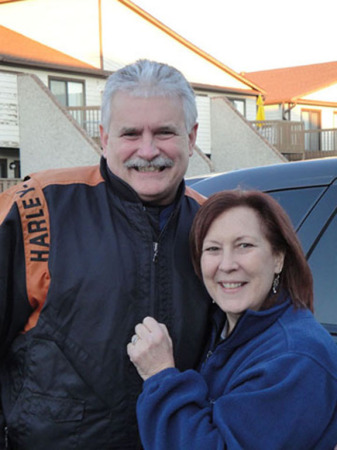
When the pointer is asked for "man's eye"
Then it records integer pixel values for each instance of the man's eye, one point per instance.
(165, 134)
(130, 135)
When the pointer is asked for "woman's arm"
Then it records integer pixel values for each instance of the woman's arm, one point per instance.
(285, 402)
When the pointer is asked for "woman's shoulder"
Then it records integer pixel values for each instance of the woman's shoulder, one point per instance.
(307, 337)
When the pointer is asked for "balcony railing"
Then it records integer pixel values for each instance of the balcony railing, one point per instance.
(89, 117)
(292, 140)
(6, 183)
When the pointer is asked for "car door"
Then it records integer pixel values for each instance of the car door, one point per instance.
(318, 233)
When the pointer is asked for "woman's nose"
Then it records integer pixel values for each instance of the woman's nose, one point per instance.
(228, 262)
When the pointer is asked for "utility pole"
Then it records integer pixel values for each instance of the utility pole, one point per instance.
(100, 34)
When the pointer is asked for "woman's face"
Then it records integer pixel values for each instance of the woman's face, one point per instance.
(237, 262)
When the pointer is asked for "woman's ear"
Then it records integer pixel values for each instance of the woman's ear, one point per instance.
(279, 262)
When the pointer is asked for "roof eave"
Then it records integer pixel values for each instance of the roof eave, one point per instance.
(28, 63)
(300, 101)
(224, 90)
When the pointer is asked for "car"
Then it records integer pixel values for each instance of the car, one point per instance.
(307, 190)
(192, 180)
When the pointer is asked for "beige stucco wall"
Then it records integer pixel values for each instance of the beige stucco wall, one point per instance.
(235, 143)
(199, 164)
(49, 136)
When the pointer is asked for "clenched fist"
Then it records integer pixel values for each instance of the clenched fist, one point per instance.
(150, 348)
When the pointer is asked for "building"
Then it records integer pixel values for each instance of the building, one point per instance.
(306, 96)
(100, 42)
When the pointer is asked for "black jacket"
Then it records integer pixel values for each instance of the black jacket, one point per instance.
(94, 267)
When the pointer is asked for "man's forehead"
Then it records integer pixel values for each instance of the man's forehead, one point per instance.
(121, 97)
(134, 111)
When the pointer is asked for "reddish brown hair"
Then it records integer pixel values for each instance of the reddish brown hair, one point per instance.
(296, 276)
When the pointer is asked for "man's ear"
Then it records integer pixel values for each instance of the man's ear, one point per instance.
(192, 137)
(104, 139)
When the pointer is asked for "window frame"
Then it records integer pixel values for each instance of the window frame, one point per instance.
(67, 81)
(241, 100)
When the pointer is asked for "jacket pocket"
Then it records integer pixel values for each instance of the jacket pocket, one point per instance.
(41, 422)
(56, 409)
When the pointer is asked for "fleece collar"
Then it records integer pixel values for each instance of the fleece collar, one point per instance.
(250, 324)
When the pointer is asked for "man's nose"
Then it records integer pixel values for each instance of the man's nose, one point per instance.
(147, 147)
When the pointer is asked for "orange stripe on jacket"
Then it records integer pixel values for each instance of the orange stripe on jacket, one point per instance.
(34, 215)
(199, 198)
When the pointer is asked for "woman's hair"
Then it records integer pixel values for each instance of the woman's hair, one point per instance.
(146, 78)
(296, 278)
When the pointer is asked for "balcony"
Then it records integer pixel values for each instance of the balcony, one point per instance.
(289, 138)
(295, 142)
(89, 117)
(6, 183)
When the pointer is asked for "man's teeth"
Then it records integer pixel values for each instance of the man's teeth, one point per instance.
(149, 169)
(231, 285)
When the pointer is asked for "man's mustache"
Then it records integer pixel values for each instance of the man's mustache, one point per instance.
(159, 162)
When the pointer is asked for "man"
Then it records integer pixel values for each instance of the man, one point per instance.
(86, 254)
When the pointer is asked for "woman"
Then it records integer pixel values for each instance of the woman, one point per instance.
(269, 380)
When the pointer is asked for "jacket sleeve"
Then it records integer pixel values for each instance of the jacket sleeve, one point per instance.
(289, 400)
(15, 307)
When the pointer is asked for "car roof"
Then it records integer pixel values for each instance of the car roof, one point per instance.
(316, 172)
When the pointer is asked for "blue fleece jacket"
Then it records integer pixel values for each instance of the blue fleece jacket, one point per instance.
(272, 384)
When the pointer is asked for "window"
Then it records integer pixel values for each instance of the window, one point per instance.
(323, 263)
(239, 104)
(312, 122)
(15, 166)
(69, 93)
(297, 202)
(3, 168)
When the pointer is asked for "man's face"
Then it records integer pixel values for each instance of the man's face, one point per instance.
(147, 145)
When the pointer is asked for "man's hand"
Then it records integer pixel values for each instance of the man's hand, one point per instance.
(150, 348)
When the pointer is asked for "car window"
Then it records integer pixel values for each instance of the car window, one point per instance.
(323, 263)
(297, 202)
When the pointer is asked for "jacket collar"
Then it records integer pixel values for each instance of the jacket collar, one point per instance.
(250, 324)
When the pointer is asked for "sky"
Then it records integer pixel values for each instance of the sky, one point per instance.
(248, 35)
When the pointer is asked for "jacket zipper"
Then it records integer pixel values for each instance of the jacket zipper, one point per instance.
(6, 438)
(155, 247)
(155, 252)
(156, 244)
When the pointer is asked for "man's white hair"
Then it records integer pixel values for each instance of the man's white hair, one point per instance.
(146, 78)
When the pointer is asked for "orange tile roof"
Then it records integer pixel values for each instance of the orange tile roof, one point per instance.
(15, 48)
(292, 83)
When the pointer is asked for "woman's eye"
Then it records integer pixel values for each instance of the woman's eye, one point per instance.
(245, 245)
(211, 249)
